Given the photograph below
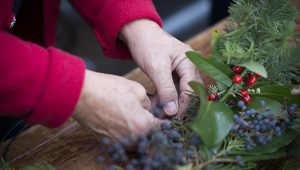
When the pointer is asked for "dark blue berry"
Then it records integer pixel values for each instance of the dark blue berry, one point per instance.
(291, 108)
(241, 104)
(257, 127)
(236, 118)
(100, 159)
(174, 135)
(259, 117)
(112, 167)
(252, 111)
(167, 125)
(214, 151)
(129, 167)
(262, 103)
(190, 153)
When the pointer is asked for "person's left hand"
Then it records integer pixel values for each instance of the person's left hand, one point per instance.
(159, 54)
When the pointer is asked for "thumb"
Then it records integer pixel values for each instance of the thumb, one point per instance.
(166, 90)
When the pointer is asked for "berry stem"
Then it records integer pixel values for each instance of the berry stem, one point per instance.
(228, 92)
(219, 160)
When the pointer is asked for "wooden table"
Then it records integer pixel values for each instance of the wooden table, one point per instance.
(71, 147)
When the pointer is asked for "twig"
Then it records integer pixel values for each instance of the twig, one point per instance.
(224, 160)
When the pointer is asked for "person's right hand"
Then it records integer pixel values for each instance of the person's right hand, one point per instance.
(114, 106)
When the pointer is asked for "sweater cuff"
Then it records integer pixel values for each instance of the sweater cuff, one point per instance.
(114, 16)
(61, 91)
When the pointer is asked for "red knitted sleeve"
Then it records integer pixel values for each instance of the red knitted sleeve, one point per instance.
(40, 85)
(107, 17)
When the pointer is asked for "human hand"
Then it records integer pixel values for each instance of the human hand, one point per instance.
(158, 54)
(114, 107)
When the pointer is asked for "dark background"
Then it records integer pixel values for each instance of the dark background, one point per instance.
(182, 19)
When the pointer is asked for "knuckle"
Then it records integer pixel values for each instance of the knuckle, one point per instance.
(168, 93)
(138, 90)
(140, 126)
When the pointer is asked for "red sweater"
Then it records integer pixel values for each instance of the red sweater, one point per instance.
(41, 84)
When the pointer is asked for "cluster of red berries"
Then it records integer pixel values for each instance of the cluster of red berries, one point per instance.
(238, 79)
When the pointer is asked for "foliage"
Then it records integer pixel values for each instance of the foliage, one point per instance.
(262, 31)
(260, 37)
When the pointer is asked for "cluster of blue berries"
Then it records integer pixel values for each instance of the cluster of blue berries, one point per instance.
(160, 149)
(258, 127)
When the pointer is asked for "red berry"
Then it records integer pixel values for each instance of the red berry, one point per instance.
(246, 99)
(251, 80)
(237, 69)
(244, 92)
(211, 97)
(237, 79)
(257, 75)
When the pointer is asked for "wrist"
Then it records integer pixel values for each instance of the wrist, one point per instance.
(136, 29)
(84, 93)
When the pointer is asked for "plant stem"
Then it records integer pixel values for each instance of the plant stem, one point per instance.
(229, 90)
(224, 160)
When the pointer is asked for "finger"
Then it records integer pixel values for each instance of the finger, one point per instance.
(146, 102)
(139, 91)
(187, 72)
(144, 122)
(154, 101)
(161, 74)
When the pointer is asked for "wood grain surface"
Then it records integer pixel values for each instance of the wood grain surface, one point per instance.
(70, 146)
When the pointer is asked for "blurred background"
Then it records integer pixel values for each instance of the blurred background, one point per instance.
(181, 18)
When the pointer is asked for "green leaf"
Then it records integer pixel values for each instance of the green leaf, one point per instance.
(220, 66)
(211, 66)
(260, 84)
(278, 154)
(279, 93)
(221, 86)
(275, 106)
(276, 89)
(255, 67)
(276, 144)
(199, 90)
(213, 122)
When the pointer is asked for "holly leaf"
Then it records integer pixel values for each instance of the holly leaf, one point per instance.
(279, 93)
(274, 145)
(274, 105)
(278, 154)
(255, 67)
(213, 122)
(221, 86)
(199, 90)
(212, 67)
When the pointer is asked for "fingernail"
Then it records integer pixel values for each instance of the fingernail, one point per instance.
(170, 108)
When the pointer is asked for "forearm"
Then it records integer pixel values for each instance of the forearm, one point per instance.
(37, 84)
